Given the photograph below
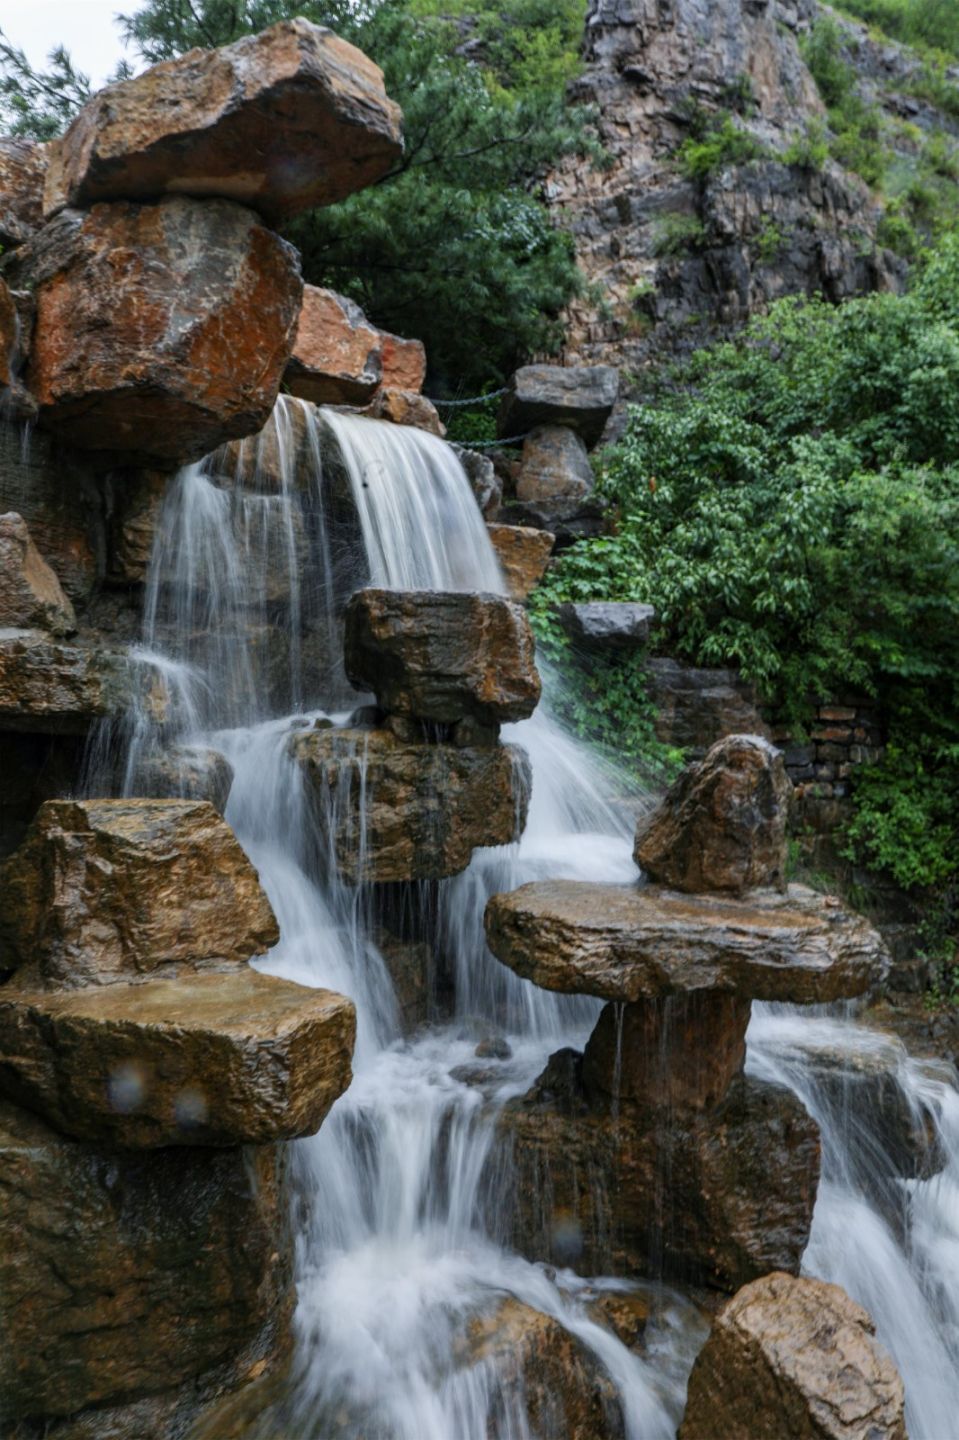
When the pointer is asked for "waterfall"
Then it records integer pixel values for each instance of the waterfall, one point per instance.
(398, 1223)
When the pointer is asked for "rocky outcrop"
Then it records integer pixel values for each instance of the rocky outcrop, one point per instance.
(186, 772)
(722, 826)
(579, 399)
(117, 890)
(283, 121)
(23, 166)
(442, 656)
(30, 593)
(166, 382)
(219, 1060)
(554, 465)
(337, 358)
(606, 625)
(47, 687)
(386, 810)
(695, 707)
(523, 555)
(792, 1358)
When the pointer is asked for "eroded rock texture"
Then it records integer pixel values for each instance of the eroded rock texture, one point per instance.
(47, 687)
(30, 593)
(23, 166)
(337, 358)
(523, 554)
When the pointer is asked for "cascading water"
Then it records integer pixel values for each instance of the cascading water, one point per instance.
(396, 1217)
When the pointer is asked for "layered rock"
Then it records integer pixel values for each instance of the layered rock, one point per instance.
(607, 625)
(112, 890)
(793, 1357)
(696, 707)
(443, 656)
(722, 825)
(337, 358)
(403, 363)
(221, 1060)
(554, 465)
(23, 166)
(577, 398)
(283, 121)
(523, 554)
(386, 810)
(30, 593)
(169, 381)
(50, 688)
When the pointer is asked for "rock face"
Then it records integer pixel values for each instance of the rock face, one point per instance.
(9, 337)
(282, 121)
(580, 399)
(607, 625)
(123, 1280)
(628, 944)
(337, 358)
(554, 465)
(722, 826)
(22, 168)
(695, 707)
(523, 555)
(206, 1060)
(30, 593)
(443, 656)
(791, 1358)
(403, 362)
(166, 382)
(50, 688)
(111, 890)
(385, 811)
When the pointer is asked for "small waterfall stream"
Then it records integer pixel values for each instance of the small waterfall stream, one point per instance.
(397, 1222)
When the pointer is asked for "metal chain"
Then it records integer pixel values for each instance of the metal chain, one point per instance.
(489, 444)
(474, 400)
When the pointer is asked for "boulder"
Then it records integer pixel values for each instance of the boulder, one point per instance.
(554, 465)
(50, 688)
(645, 942)
(484, 481)
(113, 890)
(337, 358)
(23, 166)
(167, 382)
(225, 1059)
(386, 810)
(282, 121)
(695, 708)
(442, 656)
(126, 1275)
(185, 772)
(792, 1358)
(607, 625)
(722, 825)
(406, 407)
(581, 398)
(404, 363)
(523, 555)
(30, 593)
(568, 517)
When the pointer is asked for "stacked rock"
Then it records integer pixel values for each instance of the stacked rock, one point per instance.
(680, 961)
(413, 796)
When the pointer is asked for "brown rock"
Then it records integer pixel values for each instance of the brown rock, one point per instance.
(442, 656)
(186, 772)
(523, 555)
(57, 689)
(404, 363)
(23, 165)
(166, 381)
(337, 357)
(405, 407)
(124, 1275)
(385, 810)
(283, 121)
(112, 890)
(279, 454)
(580, 398)
(30, 593)
(624, 943)
(215, 1060)
(138, 505)
(695, 707)
(722, 825)
(9, 336)
(791, 1358)
(555, 464)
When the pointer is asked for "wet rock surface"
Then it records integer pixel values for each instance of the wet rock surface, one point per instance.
(607, 625)
(405, 407)
(186, 772)
(113, 890)
(722, 825)
(793, 1357)
(212, 1060)
(9, 337)
(442, 657)
(523, 555)
(337, 358)
(30, 593)
(427, 807)
(47, 687)
(285, 120)
(166, 382)
(579, 398)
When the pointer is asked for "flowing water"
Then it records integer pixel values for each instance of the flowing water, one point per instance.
(398, 1226)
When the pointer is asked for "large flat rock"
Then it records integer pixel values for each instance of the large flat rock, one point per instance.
(222, 1059)
(579, 397)
(283, 121)
(629, 943)
(52, 688)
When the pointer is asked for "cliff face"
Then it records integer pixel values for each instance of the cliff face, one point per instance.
(672, 256)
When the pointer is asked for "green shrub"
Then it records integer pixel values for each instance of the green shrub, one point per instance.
(677, 234)
(723, 143)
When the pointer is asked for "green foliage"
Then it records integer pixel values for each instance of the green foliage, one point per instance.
(856, 125)
(41, 102)
(809, 148)
(678, 234)
(721, 142)
(934, 23)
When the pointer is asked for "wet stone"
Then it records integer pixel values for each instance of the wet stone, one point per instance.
(30, 593)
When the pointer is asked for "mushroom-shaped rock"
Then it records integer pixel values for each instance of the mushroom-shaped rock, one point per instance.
(111, 890)
(30, 593)
(523, 554)
(791, 1358)
(50, 688)
(385, 810)
(162, 330)
(337, 358)
(554, 465)
(23, 165)
(442, 656)
(225, 1059)
(605, 625)
(283, 121)
(579, 397)
(645, 942)
(722, 826)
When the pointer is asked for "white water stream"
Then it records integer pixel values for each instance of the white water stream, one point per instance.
(396, 1222)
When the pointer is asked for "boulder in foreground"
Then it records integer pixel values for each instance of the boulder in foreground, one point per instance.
(791, 1358)
(23, 166)
(282, 121)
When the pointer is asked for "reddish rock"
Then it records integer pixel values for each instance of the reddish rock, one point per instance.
(792, 1358)
(30, 593)
(523, 555)
(722, 825)
(405, 407)
(23, 166)
(337, 357)
(404, 363)
(283, 121)
(9, 336)
(162, 330)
